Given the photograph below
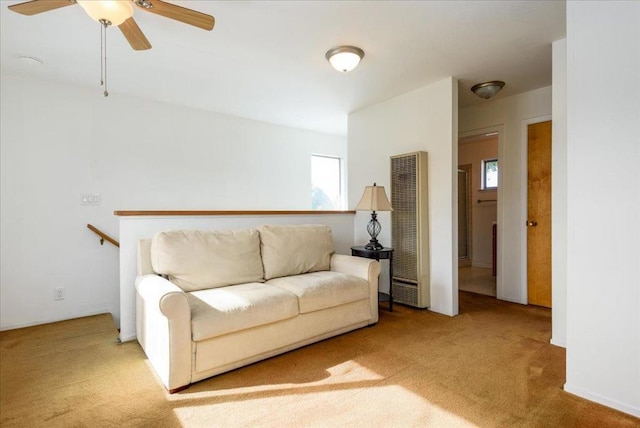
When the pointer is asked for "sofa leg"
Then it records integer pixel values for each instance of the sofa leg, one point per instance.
(178, 389)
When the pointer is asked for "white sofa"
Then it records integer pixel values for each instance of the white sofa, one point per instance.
(211, 301)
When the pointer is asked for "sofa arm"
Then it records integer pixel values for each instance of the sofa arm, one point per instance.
(163, 327)
(367, 269)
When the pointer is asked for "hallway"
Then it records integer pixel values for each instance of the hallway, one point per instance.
(477, 280)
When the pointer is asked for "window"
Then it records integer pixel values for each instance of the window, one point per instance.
(490, 174)
(326, 183)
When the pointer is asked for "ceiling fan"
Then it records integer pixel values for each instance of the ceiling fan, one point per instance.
(120, 13)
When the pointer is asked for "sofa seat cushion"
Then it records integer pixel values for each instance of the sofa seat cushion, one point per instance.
(224, 310)
(321, 290)
(202, 259)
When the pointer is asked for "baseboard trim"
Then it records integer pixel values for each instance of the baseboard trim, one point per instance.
(128, 338)
(80, 314)
(560, 343)
(510, 299)
(626, 408)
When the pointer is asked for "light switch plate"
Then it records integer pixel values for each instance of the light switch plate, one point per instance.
(90, 199)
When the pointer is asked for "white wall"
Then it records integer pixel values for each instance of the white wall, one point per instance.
(58, 141)
(603, 231)
(484, 214)
(510, 115)
(421, 120)
(559, 196)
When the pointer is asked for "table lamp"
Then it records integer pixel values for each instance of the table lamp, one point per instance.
(374, 199)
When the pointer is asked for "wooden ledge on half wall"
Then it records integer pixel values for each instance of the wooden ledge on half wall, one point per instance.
(185, 213)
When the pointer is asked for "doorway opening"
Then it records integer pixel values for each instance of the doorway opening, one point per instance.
(478, 178)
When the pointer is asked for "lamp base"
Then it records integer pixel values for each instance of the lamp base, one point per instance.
(373, 227)
(373, 245)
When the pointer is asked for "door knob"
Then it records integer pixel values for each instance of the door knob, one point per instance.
(530, 223)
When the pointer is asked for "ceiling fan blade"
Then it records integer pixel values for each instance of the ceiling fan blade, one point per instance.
(38, 6)
(134, 35)
(182, 14)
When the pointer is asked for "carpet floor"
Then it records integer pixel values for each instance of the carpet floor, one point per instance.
(491, 366)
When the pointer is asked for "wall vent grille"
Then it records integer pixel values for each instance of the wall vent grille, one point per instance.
(405, 293)
(403, 219)
(410, 229)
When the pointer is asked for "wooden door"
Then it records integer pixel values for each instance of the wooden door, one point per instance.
(539, 214)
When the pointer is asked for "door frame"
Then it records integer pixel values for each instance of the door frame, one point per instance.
(524, 168)
(500, 216)
(469, 238)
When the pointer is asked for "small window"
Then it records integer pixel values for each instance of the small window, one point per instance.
(490, 174)
(326, 183)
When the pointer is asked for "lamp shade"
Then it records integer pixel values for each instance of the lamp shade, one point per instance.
(374, 198)
(345, 58)
(114, 11)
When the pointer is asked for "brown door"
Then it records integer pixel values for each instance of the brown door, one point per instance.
(539, 214)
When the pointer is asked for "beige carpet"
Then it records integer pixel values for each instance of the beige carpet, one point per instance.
(490, 366)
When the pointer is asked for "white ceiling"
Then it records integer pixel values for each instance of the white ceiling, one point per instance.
(265, 60)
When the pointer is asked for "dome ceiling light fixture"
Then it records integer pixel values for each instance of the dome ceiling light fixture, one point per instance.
(487, 90)
(114, 12)
(344, 58)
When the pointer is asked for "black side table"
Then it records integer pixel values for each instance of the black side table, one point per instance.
(385, 253)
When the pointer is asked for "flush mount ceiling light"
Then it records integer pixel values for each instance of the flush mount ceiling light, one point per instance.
(488, 89)
(344, 58)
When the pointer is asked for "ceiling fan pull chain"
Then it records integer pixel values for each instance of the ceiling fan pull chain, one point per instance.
(103, 55)
(106, 91)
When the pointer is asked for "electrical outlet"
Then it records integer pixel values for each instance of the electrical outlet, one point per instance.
(58, 293)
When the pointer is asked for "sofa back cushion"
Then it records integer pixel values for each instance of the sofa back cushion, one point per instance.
(294, 250)
(197, 259)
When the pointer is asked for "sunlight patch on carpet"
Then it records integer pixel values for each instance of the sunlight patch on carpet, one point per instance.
(324, 406)
(342, 374)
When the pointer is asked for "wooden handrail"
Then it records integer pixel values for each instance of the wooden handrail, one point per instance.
(103, 236)
(185, 213)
